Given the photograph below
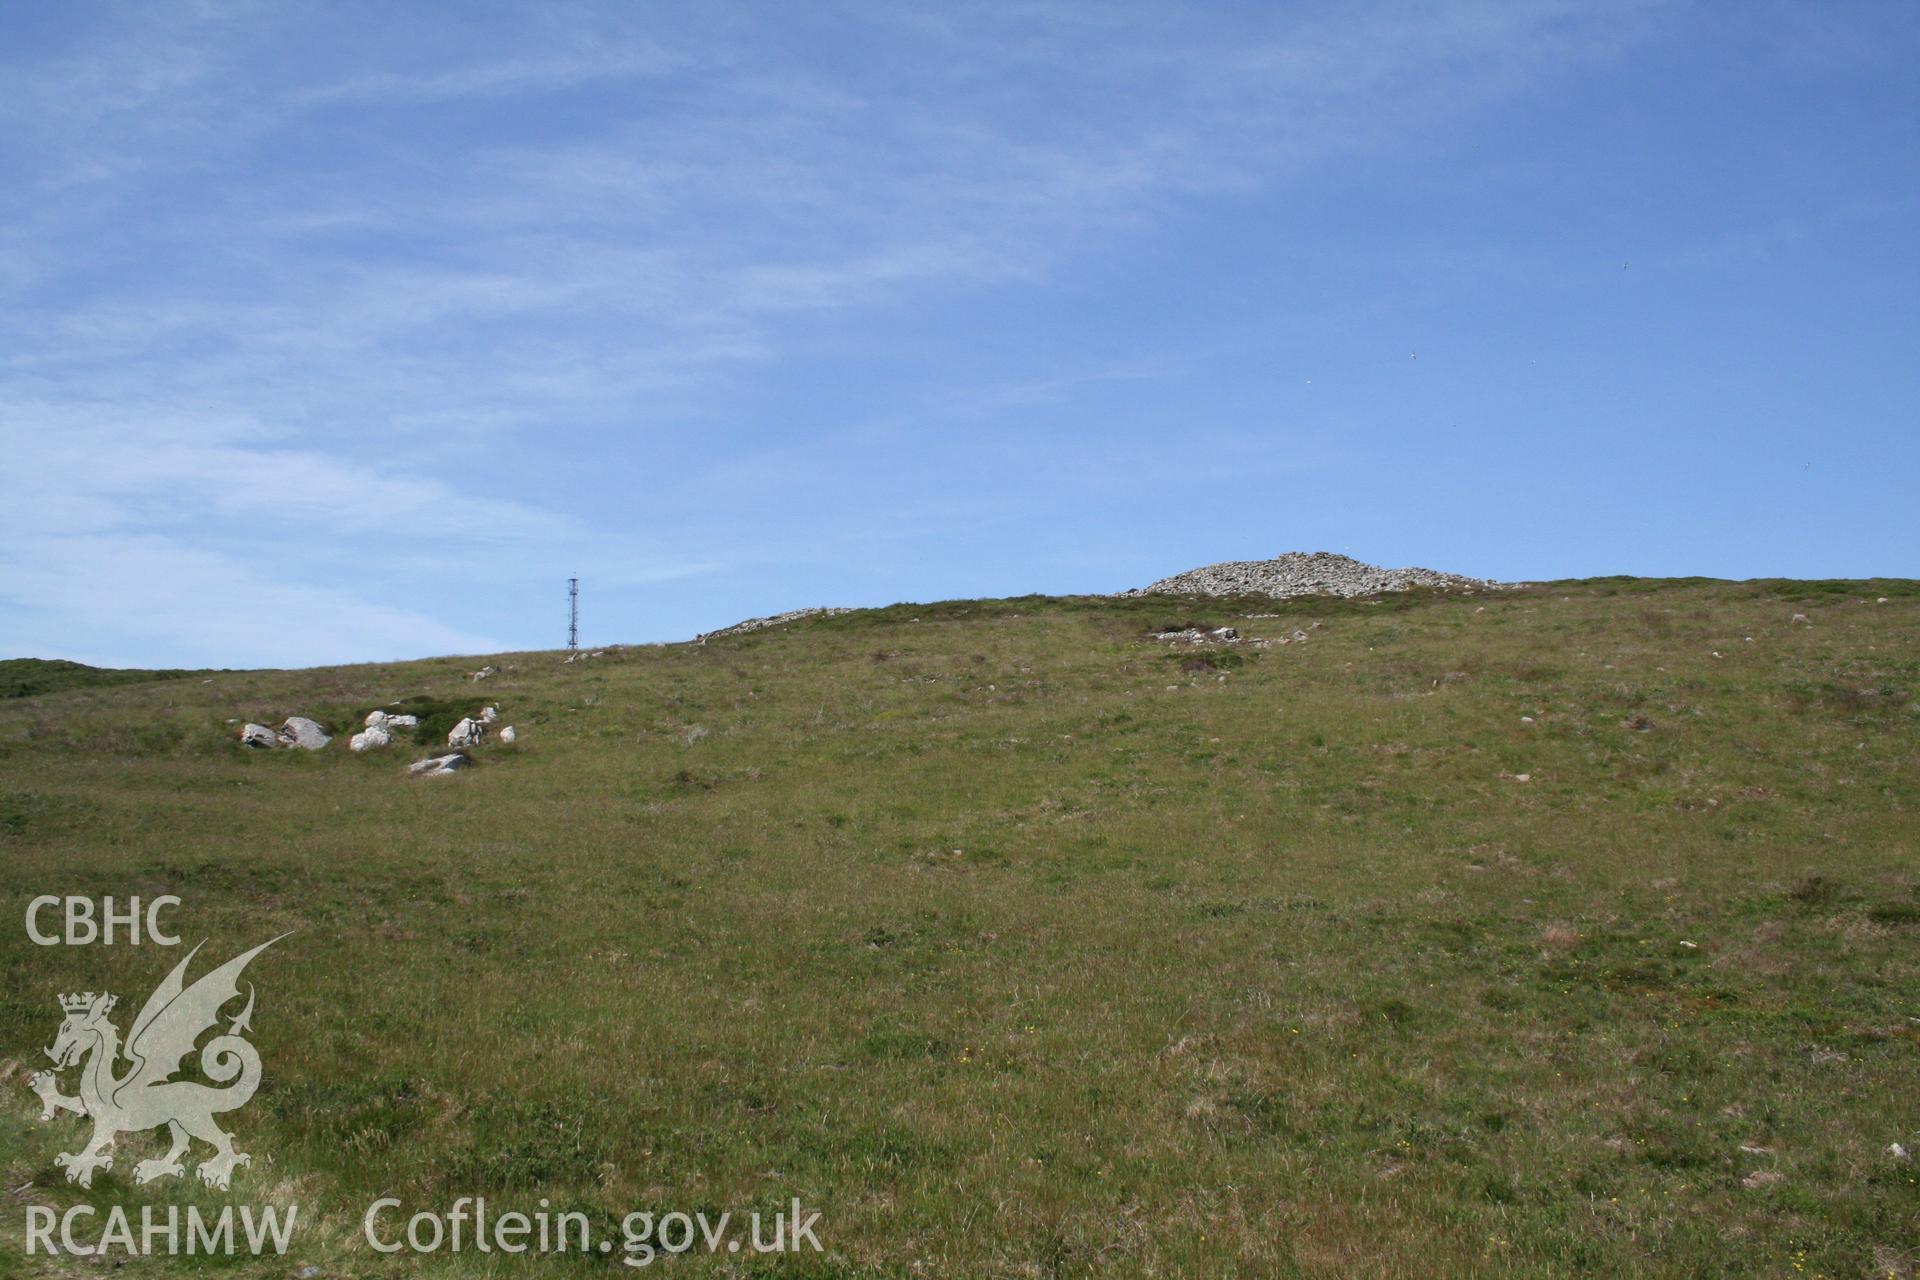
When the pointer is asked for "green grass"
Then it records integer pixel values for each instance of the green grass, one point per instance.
(28, 677)
(1018, 948)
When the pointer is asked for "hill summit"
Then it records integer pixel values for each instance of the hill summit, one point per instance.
(1303, 573)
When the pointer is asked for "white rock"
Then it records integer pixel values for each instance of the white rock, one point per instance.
(468, 733)
(1523, 777)
(298, 731)
(403, 722)
(489, 715)
(1899, 1153)
(483, 672)
(369, 738)
(258, 735)
(440, 766)
(376, 718)
(1801, 617)
(507, 734)
(1883, 600)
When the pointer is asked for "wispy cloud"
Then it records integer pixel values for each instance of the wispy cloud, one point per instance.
(487, 80)
(143, 598)
(282, 297)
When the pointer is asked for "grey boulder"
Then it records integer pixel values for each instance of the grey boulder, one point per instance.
(298, 731)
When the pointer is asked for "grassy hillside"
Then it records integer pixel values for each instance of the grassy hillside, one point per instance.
(28, 677)
(1020, 944)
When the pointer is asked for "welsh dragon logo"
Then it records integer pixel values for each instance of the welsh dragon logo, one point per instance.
(144, 1096)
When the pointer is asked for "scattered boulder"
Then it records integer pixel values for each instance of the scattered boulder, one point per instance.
(468, 733)
(484, 673)
(298, 731)
(375, 719)
(1199, 635)
(403, 722)
(440, 766)
(1801, 617)
(294, 731)
(507, 734)
(370, 738)
(489, 715)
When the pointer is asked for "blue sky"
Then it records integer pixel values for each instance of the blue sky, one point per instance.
(337, 332)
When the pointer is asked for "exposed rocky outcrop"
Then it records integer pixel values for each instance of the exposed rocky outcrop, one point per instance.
(775, 620)
(1199, 635)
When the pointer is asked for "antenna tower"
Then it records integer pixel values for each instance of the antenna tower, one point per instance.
(573, 613)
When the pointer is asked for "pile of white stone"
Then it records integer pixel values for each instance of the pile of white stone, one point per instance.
(776, 620)
(1299, 573)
